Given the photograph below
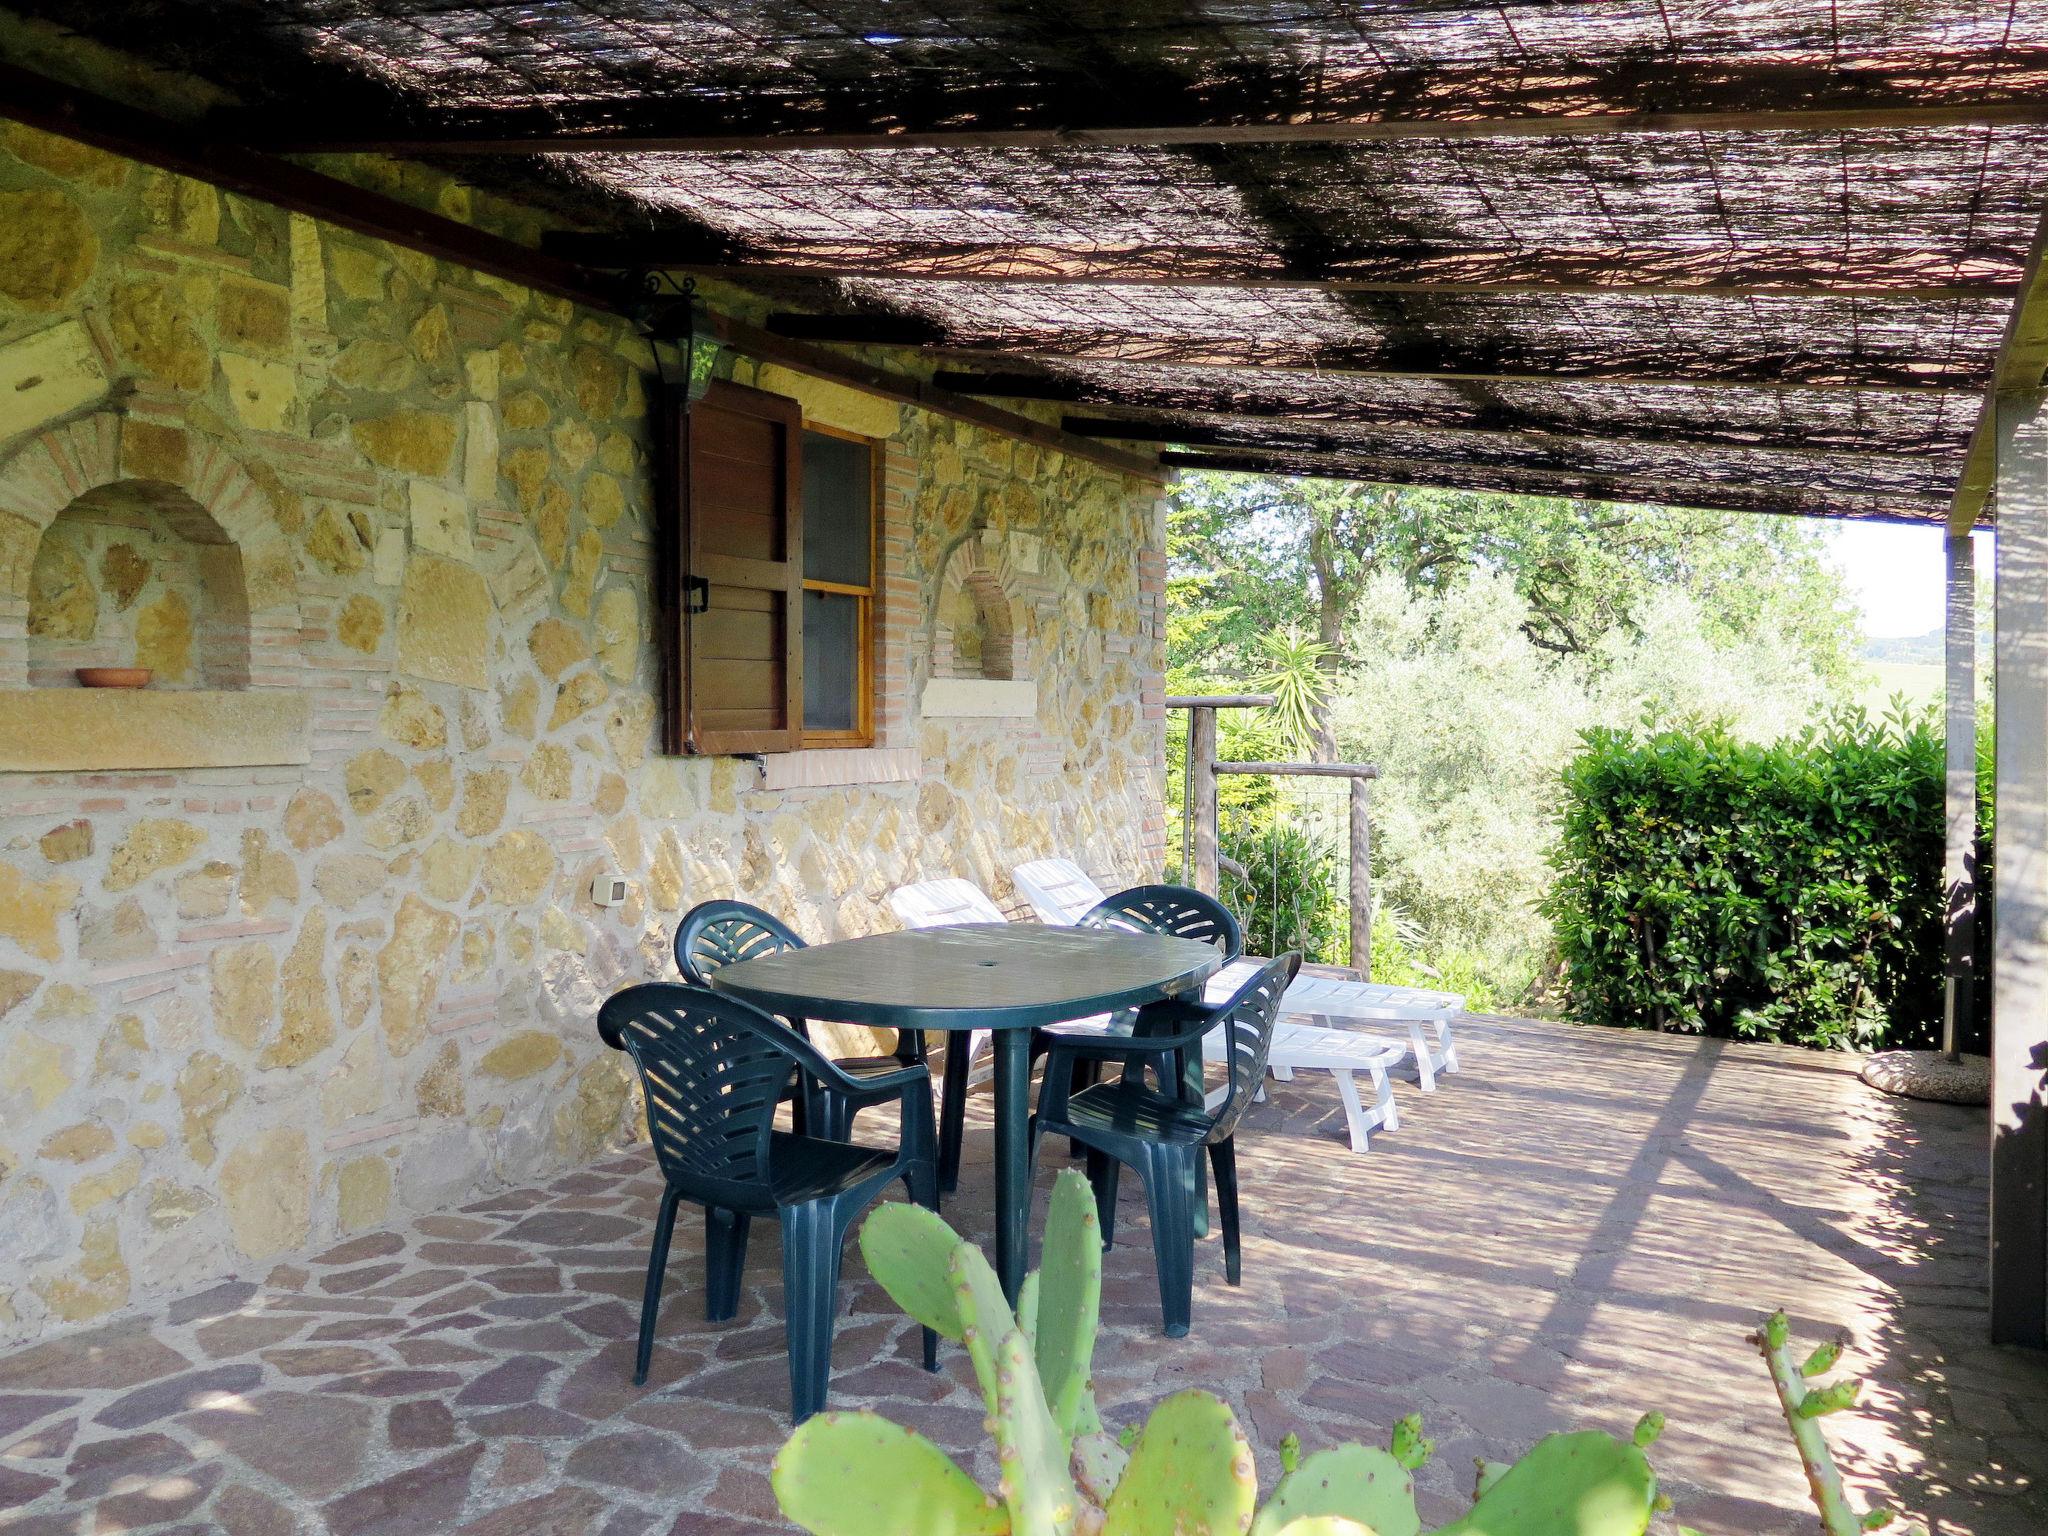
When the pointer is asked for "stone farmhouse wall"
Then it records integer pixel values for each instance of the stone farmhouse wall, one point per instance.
(383, 526)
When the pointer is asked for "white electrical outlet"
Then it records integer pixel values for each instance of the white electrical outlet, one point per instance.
(608, 891)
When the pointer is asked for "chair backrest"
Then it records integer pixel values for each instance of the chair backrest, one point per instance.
(1247, 1019)
(713, 1069)
(1178, 911)
(1059, 890)
(715, 934)
(939, 903)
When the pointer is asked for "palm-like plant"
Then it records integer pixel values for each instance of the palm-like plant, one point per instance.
(1296, 677)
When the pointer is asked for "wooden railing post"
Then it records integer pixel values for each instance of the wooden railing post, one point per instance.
(1202, 808)
(1361, 877)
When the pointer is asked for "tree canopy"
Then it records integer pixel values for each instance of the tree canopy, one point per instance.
(1252, 556)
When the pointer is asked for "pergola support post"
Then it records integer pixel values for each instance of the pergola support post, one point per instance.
(2019, 1043)
(1959, 869)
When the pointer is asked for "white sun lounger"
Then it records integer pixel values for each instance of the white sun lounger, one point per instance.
(1060, 891)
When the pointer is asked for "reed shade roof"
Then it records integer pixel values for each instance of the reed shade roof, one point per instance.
(1409, 241)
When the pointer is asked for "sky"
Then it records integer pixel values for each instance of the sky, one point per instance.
(1895, 573)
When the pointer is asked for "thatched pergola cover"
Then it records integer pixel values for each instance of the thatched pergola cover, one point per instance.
(1756, 254)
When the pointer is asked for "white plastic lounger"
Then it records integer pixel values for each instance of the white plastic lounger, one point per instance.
(1345, 1000)
(1342, 1054)
(936, 903)
(1059, 890)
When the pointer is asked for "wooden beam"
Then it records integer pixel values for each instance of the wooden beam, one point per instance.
(1648, 435)
(142, 136)
(539, 138)
(43, 103)
(2022, 365)
(890, 385)
(1409, 362)
(858, 330)
(1583, 485)
(1901, 275)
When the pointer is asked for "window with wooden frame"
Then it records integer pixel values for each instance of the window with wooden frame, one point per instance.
(841, 488)
(768, 569)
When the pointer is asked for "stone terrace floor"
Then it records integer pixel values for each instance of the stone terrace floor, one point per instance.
(1580, 1226)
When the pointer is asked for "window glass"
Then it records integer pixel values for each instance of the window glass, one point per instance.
(838, 487)
(832, 650)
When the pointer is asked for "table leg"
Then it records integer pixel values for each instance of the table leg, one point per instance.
(953, 1108)
(1193, 1087)
(1013, 1157)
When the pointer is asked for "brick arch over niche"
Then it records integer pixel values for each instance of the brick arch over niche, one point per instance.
(978, 628)
(197, 490)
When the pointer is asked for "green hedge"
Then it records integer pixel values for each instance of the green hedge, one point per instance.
(1788, 892)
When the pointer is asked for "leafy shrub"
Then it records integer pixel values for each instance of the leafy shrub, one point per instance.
(1786, 892)
(1287, 896)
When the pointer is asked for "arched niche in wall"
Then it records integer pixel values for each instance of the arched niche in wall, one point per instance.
(979, 628)
(125, 544)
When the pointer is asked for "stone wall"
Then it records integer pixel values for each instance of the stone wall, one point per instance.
(247, 1009)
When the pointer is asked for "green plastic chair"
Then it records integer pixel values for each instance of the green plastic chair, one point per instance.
(715, 934)
(1163, 1134)
(713, 1069)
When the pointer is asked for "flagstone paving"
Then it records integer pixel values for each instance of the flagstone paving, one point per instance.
(1579, 1226)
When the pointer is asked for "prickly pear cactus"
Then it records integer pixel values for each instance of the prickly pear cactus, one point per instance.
(1325, 1525)
(857, 1474)
(1804, 1407)
(1067, 1299)
(1191, 1474)
(1362, 1483)
(1583, 1484)
(1029, 1447)
(907, 1249)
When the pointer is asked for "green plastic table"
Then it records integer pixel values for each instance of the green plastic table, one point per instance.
(1007, 978)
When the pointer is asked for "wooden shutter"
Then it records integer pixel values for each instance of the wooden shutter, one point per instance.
(739, 585)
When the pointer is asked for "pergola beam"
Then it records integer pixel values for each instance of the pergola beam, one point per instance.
(1231, 436)
(1539, 481)
(1405, 363)
(2022, 365)
(1900, 275)
(970, 127)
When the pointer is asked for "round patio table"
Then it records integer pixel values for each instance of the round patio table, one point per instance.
(1007, 978)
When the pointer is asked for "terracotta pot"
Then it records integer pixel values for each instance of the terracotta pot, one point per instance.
(114, 677)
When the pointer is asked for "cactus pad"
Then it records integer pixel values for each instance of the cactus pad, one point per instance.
(857, 1474)
(1029, 1447)
(1099, 1462)
(985, 1318)
(1325, 1525)
(1068, 1298)
(1358, 1482)
(1584, 1484)
(907, 1249)
(1190, 1475)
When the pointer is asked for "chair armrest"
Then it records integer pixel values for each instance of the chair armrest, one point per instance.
(1159, 1028)
(885, 1085)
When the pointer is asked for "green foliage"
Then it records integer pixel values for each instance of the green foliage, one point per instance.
(1286, 897)
(1567, 1485)
(1785, 892)
(1191, 1473)
(1803, 1406)
(858, 1474)
(1295, 673)
(1361, 1482)
(1187, 1472)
